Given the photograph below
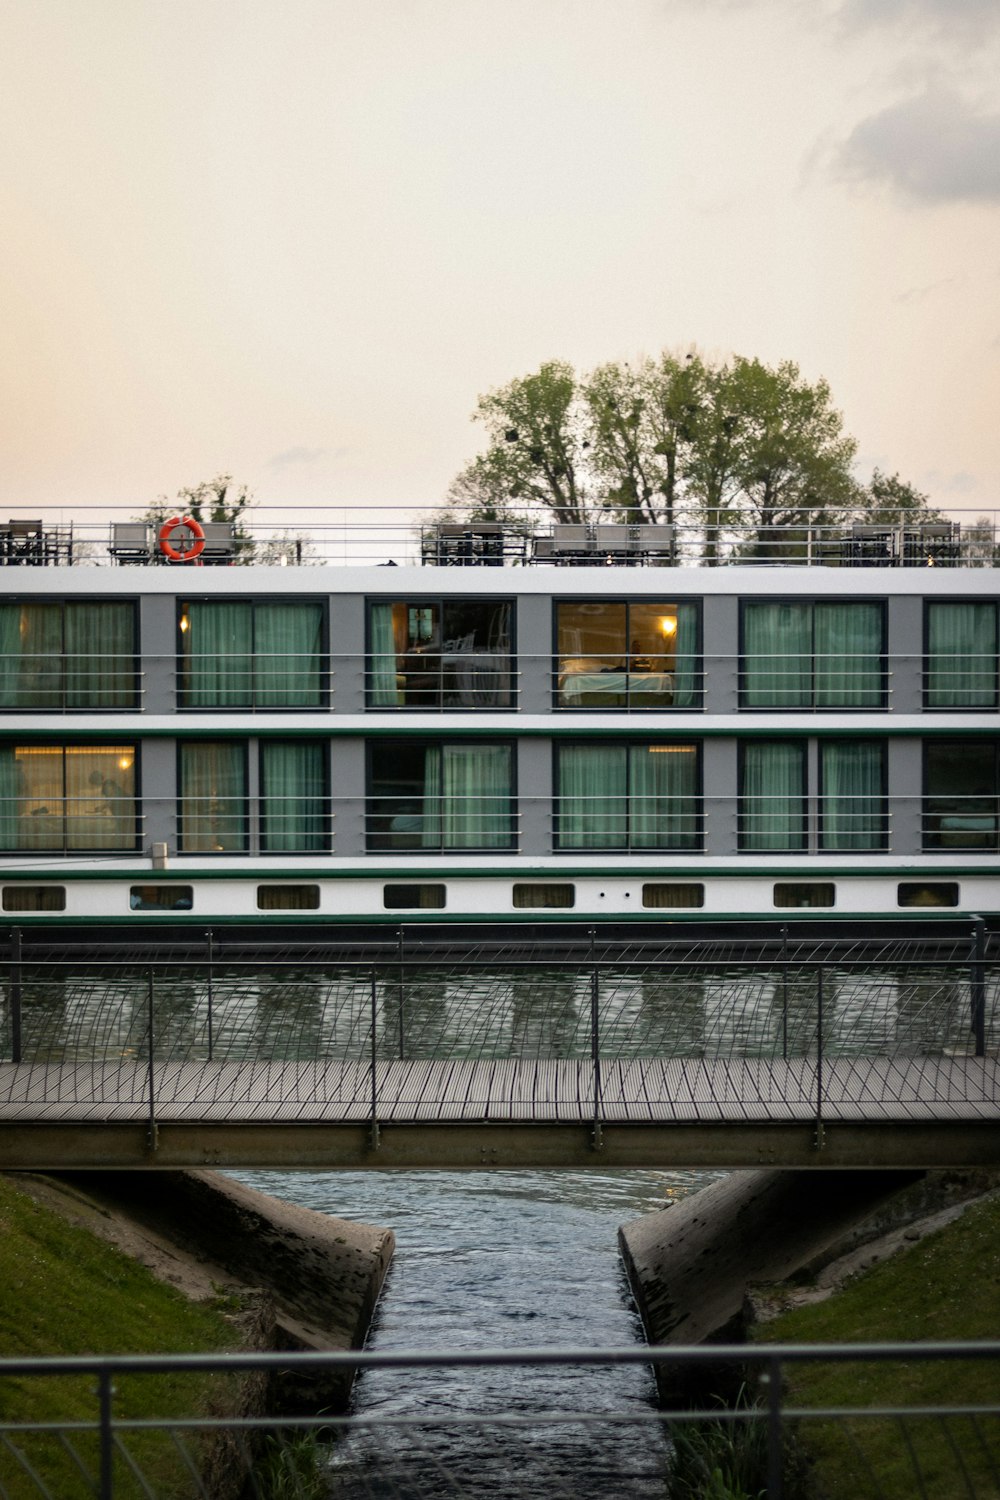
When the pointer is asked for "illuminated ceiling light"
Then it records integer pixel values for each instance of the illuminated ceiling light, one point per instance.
(124, 762)
(671, 749)
(668, 624)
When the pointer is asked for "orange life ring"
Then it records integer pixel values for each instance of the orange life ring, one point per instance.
(193, 528)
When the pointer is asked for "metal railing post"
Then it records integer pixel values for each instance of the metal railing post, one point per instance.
(977, 984)
(210, 959)
(819, 1059)
(597, 1138)
(106, 1440)
(374, 1131)
(15, 995)
(784, 993)
(152, 1132)
(399, 991)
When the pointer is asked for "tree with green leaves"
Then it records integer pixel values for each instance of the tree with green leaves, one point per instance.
(536, 429)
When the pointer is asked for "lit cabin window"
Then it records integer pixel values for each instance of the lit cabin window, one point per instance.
(413, 897)
(67, 797)
(545, 894)
(451, 653)
(927, 893)
(161, 897)
(673, 895)
(813, 893)
(288, 898)
(628, 655)
(34, 898)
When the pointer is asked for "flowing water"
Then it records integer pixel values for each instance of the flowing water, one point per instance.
(499, 1260)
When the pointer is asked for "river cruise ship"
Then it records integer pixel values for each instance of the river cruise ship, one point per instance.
(567, 723)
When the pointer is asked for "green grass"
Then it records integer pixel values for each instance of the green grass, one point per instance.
(63, 1291)
(945, 1288)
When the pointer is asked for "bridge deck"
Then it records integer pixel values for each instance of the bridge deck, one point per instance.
(873, 1089)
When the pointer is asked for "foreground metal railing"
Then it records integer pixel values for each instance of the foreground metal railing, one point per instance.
(214, 1430)
(815, 1029)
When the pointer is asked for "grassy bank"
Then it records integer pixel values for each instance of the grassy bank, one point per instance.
(63, 1291)
(944, 1288)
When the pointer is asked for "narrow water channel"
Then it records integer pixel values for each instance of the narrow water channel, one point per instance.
(498, 1260)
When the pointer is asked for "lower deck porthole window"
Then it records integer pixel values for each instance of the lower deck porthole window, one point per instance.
(288, 898)
(161, 897)
(34, 898)
(549, 893)
(802, 893)
(423, 897)
(927, 893)
(673, 894)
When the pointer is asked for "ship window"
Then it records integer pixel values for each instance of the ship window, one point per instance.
(413, 897)
(161, 897)
(622, 655)
(431, 796)
(295, 804)
(550, 893)
(960, 669)
(34, 898)
(804, 655)
(628, 796)
(852, 804)
(67, 656)
(772, 813)
(961, 787)
(251, 654)
(213, 797)
(673, 894)
(812, 893)
(67, 797)
(453, 653)
(927, 893)
(287, 897)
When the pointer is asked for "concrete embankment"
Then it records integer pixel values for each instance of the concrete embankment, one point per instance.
(692, 1266)
(206, 1234)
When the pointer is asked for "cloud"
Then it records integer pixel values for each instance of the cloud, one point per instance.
(292, 457)
(921, 293)
(934, 148)
(959, 20)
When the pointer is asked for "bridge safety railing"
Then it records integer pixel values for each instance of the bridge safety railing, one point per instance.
(806, 1023)
(211, 1426)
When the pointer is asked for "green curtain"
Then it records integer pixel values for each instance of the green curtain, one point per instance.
(772, 793)
(431, 806)
(848, 644)
(100, 651)
(287, 645)
(853, 780)
(777, 656)
(593, 797)
(687, 674)
(31, 643)
(217, 655)
(961, 656)
(294, 801)
(10, 787)
(383, 667)
(213, 798)
(663, 787)
(475, 797)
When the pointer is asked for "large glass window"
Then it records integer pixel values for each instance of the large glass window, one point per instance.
(960, 797)
(440, 654)
(427, 796)
(212, 815)
(772, 795)
(67, 797)
(628, 655)
(294, 797)
(251, 654)
(628, 797)
(806, 655)
(72, 655)
(852, 807)
(961, 655)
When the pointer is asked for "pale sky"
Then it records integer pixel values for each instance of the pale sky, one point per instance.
(295, 239)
